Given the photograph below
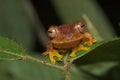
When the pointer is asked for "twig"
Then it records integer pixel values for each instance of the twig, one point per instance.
(27, 57)
(44, 63)
(67, 66)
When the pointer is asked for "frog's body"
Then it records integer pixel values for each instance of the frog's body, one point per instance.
(67, 36)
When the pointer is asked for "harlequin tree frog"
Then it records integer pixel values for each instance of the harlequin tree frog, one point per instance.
(65, 37)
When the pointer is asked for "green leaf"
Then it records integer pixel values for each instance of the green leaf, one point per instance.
(98, 69)
(9, 50)
(77, 74)
(100, 51)
(21, 71)
(25, 70)
(82, 53)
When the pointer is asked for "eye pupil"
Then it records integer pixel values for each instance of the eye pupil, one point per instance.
(82, 25)
(49, 31)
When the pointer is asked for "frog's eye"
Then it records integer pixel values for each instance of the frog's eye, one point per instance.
(79, 26)
(52, 32)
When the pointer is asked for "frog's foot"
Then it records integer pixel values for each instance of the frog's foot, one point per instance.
(62, 51)
(46, 53)
(54, 53)
(90, 42)
(79, 48)
(74, 50)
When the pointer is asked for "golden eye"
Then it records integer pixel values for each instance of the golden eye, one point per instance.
(79, 26)
(52, 31)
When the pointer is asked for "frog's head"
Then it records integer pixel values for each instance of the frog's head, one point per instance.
(66, 31)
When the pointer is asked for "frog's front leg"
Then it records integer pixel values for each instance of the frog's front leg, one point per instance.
(54, 53)
(78, 48)
(51, 52)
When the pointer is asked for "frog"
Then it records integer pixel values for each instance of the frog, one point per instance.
(67, 37)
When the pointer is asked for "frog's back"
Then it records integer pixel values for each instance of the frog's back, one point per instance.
(67, 37)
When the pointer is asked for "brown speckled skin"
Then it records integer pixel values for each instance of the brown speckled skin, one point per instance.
(66, 38)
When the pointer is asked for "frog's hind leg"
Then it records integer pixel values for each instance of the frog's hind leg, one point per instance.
(78, 48)
(54, 53)
(88, 39)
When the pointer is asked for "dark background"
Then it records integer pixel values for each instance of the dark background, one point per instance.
(110, 7)
(48, 15)
(112, 11)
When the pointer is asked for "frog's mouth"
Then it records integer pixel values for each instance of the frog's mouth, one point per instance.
(67, 44)
(64, 40)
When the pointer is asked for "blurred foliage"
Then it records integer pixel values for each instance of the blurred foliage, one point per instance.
(20, 70)
(99, 69)
(16, 24)
(73, 10)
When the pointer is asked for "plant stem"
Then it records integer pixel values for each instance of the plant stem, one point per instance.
(67, 72)
(68, 76)
(44, 63)
(27, 57)
(67, 66)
